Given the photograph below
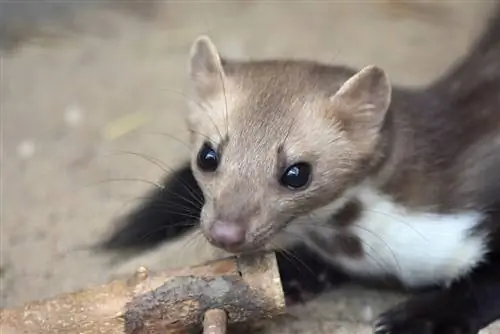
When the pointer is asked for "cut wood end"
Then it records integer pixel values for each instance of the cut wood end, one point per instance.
(215, 322)
(141, 273)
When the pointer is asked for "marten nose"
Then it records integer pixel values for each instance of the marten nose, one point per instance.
(227, 234)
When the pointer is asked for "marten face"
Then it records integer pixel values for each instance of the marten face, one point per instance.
(275, 140)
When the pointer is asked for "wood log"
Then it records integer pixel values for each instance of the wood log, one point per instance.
(246, 288)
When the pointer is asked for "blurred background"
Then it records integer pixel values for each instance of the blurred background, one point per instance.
(82, 81)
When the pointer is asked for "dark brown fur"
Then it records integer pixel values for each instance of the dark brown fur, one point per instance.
(447, 145)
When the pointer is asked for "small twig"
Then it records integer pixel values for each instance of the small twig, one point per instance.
(215, 322)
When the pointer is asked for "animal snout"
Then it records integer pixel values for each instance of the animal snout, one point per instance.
(227, 235)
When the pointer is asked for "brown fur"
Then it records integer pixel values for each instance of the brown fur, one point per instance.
(348, 214)
(447, 144)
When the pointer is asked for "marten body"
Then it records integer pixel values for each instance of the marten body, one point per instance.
(375, 180)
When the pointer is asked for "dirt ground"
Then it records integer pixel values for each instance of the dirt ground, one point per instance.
(83, 82)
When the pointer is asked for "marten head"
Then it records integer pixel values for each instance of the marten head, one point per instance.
(274, 140)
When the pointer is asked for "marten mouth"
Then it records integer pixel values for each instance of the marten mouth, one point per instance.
(243, 249)
(262, 237)
(258, 239)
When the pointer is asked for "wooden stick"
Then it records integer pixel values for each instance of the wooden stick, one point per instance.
(215, 322)
(174, 301)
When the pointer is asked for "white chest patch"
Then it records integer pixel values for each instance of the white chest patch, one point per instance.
(417, 247)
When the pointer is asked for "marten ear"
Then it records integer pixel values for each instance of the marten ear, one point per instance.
(205, 67)
(362, 101)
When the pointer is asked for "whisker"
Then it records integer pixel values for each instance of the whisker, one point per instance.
(193, 239)
(200, 240)
(215, 125)
(164, 204)
(204, 135)
(166, 211)
(394, 218)
(159, 133)
(165, 169)
(185, 96)
(184, 210)
(295, 258)
(320, 223)
(380, 264)
(184, 223)
(393, 254)
(161, 203)
(199, 104)
(125, 179)
(292, 124)
(376, 261)
(329, 226)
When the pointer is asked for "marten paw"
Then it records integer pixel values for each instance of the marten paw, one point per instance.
(422, 317)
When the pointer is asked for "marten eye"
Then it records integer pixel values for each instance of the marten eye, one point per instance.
(208, 159)
(296, 176)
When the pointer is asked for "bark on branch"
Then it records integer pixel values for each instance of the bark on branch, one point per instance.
(245, 288)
